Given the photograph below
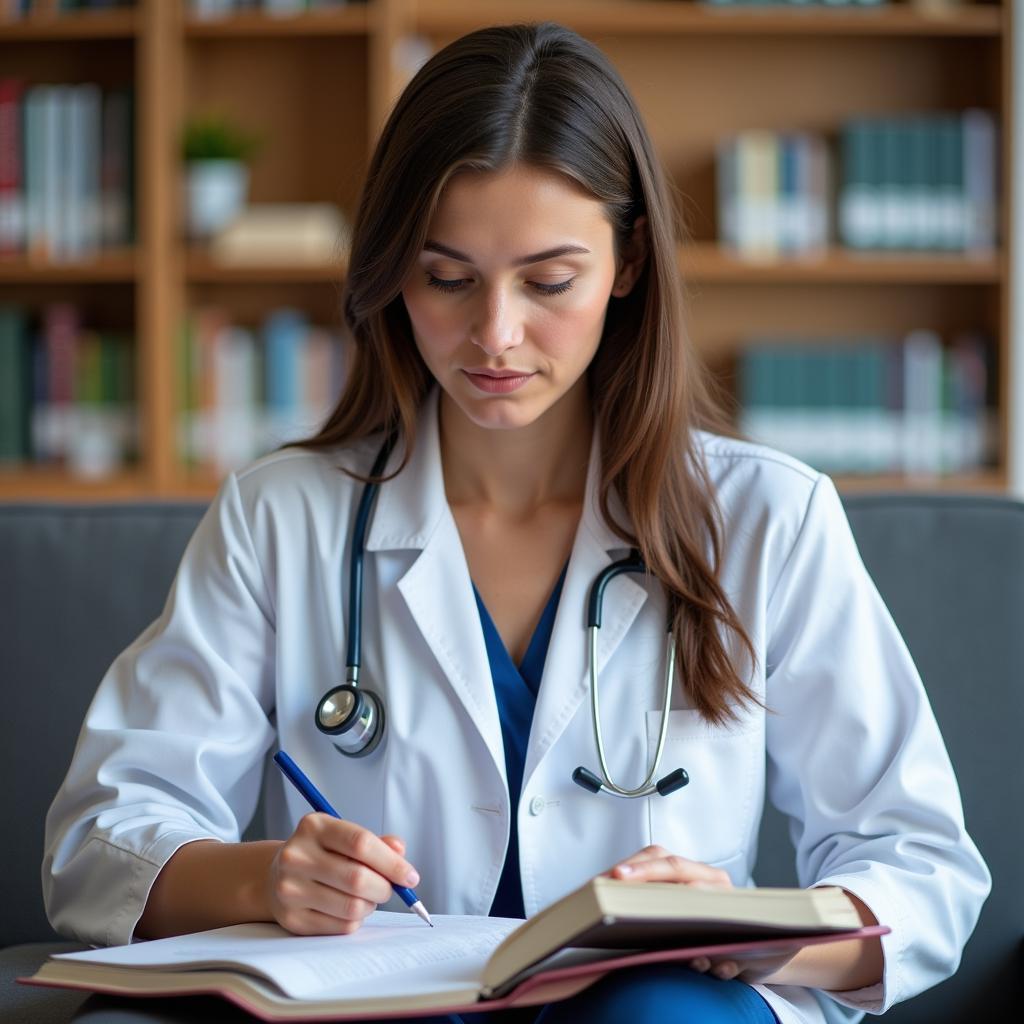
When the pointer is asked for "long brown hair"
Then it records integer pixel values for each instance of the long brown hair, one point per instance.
(541, 95)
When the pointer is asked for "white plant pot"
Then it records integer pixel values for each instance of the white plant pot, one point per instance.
(215, 193)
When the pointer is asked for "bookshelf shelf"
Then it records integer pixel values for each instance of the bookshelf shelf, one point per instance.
(30, 484)
(319, 85)
(976, 483)
(354, 20)
(111, 267)
(711, 263)
(201, 269)
(79, 26)
(646, 16)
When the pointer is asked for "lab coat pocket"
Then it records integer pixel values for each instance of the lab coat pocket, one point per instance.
(710, 819)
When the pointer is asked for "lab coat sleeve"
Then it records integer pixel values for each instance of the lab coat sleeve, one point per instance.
(856, 760)
(172, 746)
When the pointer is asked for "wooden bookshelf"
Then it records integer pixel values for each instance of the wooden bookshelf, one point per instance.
(698, 74)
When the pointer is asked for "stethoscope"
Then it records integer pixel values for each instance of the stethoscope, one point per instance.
(354, 717)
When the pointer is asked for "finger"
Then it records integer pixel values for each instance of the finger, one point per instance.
(345, 906)
(396, 844)
(647, 853)
(361, 844)
(673, 869)
(313, 922)
(726, 970)
(701, 964)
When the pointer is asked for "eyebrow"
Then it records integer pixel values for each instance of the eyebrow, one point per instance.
(561, 250)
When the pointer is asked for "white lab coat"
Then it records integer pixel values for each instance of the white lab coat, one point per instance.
(253, 633)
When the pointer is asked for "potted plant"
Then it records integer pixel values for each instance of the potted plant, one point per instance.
(215, 152)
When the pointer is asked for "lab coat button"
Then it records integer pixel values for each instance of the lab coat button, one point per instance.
(537, 805)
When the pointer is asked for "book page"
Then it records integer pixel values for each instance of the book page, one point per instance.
(395, 946)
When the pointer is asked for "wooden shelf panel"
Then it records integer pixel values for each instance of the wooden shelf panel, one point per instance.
(45, 484)
(201, 269)
(985, 482)
(84, 25)
(455, 17)
(712, 263)
(347, 21)
(115, 266)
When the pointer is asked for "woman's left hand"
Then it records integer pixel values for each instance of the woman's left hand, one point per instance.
(656, 864)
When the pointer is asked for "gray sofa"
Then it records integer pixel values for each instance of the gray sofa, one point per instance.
(80, 582)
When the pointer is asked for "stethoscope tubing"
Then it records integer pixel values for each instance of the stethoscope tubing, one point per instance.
(364, 704)
(594, 604)
(367, 500)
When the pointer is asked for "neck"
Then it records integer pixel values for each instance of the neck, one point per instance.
(518, 470)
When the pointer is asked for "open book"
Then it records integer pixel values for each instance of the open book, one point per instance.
(396, 964)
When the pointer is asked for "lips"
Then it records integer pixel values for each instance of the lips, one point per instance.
(497, 382)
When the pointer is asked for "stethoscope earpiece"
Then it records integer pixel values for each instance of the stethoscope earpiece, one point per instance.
(669, 784)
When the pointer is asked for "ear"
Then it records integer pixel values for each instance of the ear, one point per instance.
(633, 258)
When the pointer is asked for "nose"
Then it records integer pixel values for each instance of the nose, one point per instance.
(497, 321)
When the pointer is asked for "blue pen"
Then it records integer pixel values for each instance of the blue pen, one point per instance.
(297, 777)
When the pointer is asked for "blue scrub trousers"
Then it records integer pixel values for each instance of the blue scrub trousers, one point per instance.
(648, 994)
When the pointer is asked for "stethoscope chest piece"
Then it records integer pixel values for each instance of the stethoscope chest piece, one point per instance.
(353, 718)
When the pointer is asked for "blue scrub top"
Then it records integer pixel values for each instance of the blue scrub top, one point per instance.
(516, 690)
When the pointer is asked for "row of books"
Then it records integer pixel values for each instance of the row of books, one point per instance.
(246, 390)
(220, 8)
(67, 175)
(67, 392)
(795, 3)
(922, 182)
(12, 9)
(913, 405)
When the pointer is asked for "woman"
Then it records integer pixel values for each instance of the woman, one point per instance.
(514, 301)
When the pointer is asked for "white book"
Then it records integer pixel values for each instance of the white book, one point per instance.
(979, 155)
(83, 172)
(758, 187)
(922, 406)
(233, 431)
(35, 102)
(51, 157)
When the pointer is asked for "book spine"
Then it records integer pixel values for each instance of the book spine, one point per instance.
(979, 174)
(14, 385)
(12, 198)
(116, 169)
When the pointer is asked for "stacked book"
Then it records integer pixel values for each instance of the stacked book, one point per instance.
(794, 3)
(245, 391)
(774, 193)
(914, 406)
(67, 393)
(220, 8)
(924, 182)
(67, 178)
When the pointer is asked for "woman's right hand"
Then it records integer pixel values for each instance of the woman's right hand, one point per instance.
(332, 873)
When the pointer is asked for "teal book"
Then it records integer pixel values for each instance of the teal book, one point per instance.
(15, 385)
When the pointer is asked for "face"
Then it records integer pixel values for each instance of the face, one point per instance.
(508, 298)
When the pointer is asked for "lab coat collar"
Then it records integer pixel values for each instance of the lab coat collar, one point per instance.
(413, 513)
(411, 506)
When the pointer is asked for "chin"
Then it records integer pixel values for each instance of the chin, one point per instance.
(492, 412)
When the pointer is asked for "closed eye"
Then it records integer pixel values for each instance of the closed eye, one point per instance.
(454, 286)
